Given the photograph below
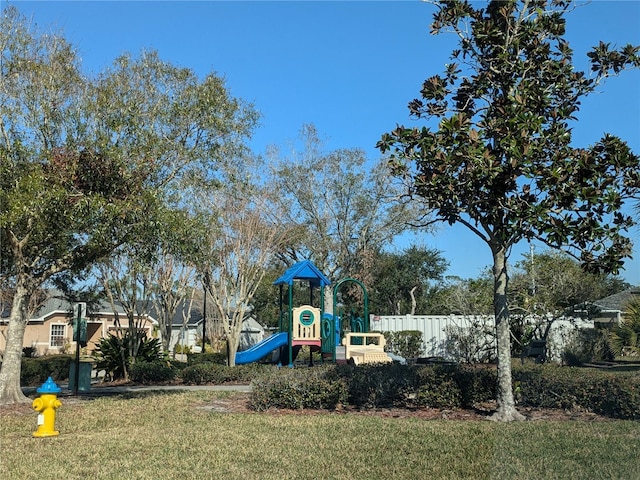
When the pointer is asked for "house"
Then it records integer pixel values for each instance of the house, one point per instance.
(610, 309)
(186, 334)
(252, 332)
(50, 330)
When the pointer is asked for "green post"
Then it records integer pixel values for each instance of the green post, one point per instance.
(80, 336)
(290, 321)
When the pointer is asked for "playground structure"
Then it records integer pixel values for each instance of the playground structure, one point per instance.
(360, 348)
(309, 325)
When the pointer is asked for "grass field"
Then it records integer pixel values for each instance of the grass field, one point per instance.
(175, 436)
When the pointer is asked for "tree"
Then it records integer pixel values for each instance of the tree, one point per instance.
(340, 212)
(401, 281)
(242, 241)
(87, 164)
(548, 286)
(457, 296)
(125, 282)
(172, 271)
(174, 288)
(500, 160)
(153, 277)
(265, 304)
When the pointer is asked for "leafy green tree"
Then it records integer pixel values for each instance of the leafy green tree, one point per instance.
(401, 282)
(86, 165)
(500, 160)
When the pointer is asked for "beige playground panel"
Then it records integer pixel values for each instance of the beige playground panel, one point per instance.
(306, 325)
(370, 350)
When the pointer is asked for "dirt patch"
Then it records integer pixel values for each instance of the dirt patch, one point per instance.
(239, 403)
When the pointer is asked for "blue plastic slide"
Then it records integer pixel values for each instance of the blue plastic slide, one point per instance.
(260, 350)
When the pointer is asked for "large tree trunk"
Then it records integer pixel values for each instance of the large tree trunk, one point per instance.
(506, 409)
(10, 391)
(233, 340)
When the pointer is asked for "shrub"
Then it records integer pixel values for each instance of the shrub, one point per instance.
(548, 386)
(615, 395)
(177, 365)
(434, 389)
(152, 372)
(472, 344)
(113, 353)
(406, 343)
(477, 383)
(32, 372)
(219, 358)
(378, 385)
(181, 348)
(29, 352)
(586, 345)
(36, 370)
(445, 394)
(451, 386)
(612, 394)
(624, 339)
(299, 388)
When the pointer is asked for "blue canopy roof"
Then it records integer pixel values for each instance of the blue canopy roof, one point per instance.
(304, 270)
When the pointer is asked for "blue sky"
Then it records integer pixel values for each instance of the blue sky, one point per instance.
(350, 68)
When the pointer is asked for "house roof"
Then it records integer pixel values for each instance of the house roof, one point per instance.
(195, 316)
(304, 270)
(618, 301)
(56, 303)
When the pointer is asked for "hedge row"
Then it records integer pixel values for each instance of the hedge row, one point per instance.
(299, 388)
(36, 370)
(612, 394)
(156, 372)
(615, 395)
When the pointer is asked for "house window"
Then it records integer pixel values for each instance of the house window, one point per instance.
(57, 336)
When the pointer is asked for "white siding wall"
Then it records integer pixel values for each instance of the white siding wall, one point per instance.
(180, 336)
(433, 328)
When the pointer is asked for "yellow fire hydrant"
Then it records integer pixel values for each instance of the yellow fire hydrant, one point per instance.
(46, 405)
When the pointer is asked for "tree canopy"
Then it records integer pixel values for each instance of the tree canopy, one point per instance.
(401, 282)
(90, 164)
(499, 158)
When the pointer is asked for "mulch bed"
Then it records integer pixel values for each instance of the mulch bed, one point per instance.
(239, 403)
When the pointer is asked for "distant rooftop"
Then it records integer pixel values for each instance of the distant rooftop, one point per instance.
(618, 301)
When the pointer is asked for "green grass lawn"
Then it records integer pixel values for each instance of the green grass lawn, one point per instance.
(168, 436)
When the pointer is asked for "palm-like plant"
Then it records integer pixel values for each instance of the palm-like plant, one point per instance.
(113, 355)
(625, 337)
